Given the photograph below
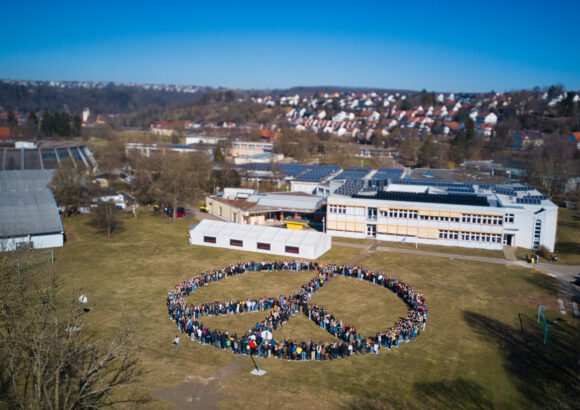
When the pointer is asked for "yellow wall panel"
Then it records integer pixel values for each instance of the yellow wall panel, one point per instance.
(428, 233)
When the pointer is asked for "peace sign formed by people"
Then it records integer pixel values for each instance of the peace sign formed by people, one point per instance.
(259, 340)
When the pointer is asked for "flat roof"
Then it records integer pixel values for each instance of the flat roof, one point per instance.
(449, 192)
(263, 233)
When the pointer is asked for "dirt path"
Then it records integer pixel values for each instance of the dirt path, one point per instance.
(509, 252)
(202, 393)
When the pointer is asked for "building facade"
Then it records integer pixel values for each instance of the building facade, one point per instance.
(465, 215)
(266, 208)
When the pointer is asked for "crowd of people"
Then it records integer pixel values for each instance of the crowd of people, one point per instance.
(259, 340)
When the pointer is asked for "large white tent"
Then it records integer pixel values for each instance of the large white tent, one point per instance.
(255, 238)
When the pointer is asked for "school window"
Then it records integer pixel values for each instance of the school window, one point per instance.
(372, 213)
(292, 249)
(509, 218)
(236, 242)
(209, 239)
(263, 246)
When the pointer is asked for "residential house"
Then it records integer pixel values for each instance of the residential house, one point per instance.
(525, 138)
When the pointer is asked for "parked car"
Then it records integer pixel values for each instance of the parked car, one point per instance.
(180, 211)
(204, 209)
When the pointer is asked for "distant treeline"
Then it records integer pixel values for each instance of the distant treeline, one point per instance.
(112, 99)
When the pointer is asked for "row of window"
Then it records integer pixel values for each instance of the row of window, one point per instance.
(337, 209)
(400, 213)
(470, 236)
(438, 218)
(260, 245)
(483, 219)
(414, 214)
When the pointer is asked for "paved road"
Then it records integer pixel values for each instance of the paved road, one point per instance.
(565, 273)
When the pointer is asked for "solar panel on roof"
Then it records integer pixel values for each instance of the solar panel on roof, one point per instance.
(434, 183)
(453, 199)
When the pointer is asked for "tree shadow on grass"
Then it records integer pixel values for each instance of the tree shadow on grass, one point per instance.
(454, 394)
(546, 375)
(543, 282)
(567, 248)
(362, 403)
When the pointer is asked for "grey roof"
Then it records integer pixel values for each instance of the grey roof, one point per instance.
(288, 201)
(26, 180)
(28, 212)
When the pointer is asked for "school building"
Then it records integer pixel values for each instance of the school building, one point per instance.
(485, 216)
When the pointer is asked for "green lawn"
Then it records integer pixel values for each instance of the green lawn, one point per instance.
(568, 239)
(456, 250)
(473, 353)
(568, 244)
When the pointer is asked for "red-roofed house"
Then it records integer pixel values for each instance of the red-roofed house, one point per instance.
(370, 115)
(269, 135)
(451, 126)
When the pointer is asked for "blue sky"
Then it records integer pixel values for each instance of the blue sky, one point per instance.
(440, 46)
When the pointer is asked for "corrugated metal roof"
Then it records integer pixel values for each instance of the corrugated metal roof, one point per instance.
(28, 212)
(25, 180)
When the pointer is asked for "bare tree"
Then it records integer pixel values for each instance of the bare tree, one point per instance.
(174, 178)
(105, 217)
(48, 359)
(550, 166)
(67, 187)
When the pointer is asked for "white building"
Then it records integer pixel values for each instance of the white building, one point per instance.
(446, 213)
(28, 213)
(252, 238)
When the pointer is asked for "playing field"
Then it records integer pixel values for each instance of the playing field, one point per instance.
(481, 349)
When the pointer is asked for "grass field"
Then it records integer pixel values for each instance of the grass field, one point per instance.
(481, 349)
(568, 239)
(568, 244)
(456, 250)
